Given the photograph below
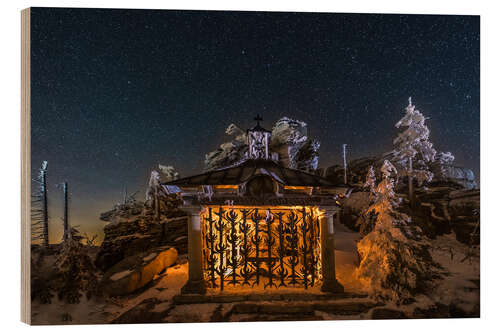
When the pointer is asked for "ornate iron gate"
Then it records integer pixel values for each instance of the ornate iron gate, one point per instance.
(273, 247)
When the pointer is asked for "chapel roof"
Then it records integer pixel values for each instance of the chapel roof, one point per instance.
(247, 169)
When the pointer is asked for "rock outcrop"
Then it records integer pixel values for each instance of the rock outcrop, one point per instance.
(230, 152)
(295, 149)
(133, 228)
(450, 202)
(439, 210)
(134, 272)
(289, 140)
(447, 173)
(444, 173)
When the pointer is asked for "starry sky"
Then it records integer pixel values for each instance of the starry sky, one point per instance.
(115, 92)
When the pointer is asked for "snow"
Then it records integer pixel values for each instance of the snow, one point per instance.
(347, 259)
(456, 287)
(149, 257)
(168, 172)
(154, 183)
(120, 275)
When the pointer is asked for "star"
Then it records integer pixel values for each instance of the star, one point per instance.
(113, 98)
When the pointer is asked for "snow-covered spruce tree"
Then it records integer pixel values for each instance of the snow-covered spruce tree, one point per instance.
(371, 183)
(444, 160)
(76, 270)
(413, 150)
(39, 208)
(366, 221)
(395, 263)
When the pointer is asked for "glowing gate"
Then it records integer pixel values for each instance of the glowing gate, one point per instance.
(272, 246)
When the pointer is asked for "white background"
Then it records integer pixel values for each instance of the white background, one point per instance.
(490, 165)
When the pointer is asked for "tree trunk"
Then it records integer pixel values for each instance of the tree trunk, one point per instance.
(66, 223)
(345, 164)
(45, 214)
(410, 183)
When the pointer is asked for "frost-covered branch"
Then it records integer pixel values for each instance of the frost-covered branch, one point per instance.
(412, 149)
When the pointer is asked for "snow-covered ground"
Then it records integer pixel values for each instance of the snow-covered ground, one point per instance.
(346, 258)
(459, 287)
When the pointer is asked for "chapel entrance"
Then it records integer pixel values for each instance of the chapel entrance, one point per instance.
(261, 246)
(259, 223)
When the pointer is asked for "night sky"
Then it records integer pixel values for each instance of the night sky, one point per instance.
(115, 92)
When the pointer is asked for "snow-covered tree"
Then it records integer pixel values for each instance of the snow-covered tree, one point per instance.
(161, 198)
(385, 197)
(445, 158)
(39, 210)
(153, 191)
(395, 263)
(371, 183)
(76, 270)
(413, 150)
(382, 198)
(169, 172)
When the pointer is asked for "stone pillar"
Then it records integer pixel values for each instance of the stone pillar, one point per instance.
(330, 283)
(195, 283)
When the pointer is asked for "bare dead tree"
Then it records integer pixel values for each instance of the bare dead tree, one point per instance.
(65, 218)
(345, 162)
(39, 210)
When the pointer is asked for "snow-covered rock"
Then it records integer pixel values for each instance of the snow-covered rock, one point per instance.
(442, 209)
(133, 228)
(136, 271)
(289, 140)
(444, 172)
(229, 152)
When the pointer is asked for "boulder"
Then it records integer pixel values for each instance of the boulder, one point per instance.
(134, 272)
(464, 210)
(132, 230)
(442, 209)
(445, 172)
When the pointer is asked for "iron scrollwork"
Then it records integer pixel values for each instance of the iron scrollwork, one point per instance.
(277, 249)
